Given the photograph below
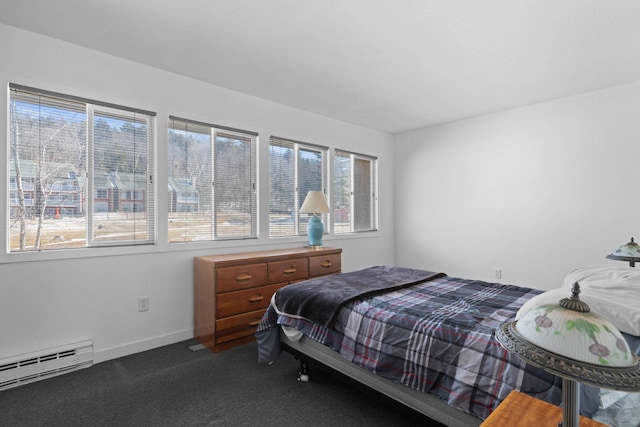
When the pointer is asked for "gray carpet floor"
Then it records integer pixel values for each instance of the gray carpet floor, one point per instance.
(175, 386)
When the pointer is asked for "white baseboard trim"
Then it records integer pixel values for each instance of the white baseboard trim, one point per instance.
(102, 355)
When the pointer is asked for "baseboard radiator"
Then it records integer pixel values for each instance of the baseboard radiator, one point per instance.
(27, 368)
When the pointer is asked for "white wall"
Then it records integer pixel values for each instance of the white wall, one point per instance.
(56, 298)
(536, 191)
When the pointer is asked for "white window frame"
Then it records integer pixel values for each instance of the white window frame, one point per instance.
(299, 223)
(214, 132)
(125, 113)
(373, 198)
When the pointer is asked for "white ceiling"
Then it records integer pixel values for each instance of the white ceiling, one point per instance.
(391, 65)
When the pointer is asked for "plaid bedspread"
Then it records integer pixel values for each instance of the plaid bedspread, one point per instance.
(436, 337)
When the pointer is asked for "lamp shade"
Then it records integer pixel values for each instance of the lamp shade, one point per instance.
(569, 340)
(628, 252)
(314, 203)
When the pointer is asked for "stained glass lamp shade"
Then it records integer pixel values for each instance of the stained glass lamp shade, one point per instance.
(629, 252)
(570, 341)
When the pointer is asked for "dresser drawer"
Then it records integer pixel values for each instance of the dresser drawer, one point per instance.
(324, 264)
(242, 277)
(235, 327)
(237, 302)
(288, 271)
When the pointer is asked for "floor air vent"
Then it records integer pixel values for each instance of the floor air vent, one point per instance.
(26, 368)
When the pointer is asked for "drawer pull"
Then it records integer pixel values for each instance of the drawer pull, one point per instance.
(326, 263)
(254, 323)
(243, 277)
(290, 270)
(256, 298)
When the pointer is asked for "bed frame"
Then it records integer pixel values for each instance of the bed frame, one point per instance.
(423, 403)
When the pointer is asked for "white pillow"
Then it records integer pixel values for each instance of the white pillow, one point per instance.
(603, 276)
(618, 304)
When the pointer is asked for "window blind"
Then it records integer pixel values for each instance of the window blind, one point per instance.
(65, 153)
(295, 168)
(354, 189)
(212, 182)
(121, 148)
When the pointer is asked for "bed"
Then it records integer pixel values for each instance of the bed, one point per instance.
(421, 338)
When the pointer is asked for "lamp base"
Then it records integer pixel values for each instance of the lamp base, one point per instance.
(315, 247)
(315, 230)
(570, 403)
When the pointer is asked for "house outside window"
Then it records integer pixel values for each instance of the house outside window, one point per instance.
(355, 202)
(295, 168)
(63, 149)
(212, 182)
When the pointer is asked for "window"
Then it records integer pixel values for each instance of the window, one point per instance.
(295, 168)
(71, 160)
(212, 182)
(354, 192)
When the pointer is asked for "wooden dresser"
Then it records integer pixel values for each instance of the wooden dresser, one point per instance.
(233, 291)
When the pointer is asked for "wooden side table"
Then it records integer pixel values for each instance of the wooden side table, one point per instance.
(522, 410)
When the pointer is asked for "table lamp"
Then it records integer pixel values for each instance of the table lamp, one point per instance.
(315, 204)
(570, 341)
(629, 252)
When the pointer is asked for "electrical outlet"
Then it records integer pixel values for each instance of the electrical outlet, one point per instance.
(497, 273)
(143, 304)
